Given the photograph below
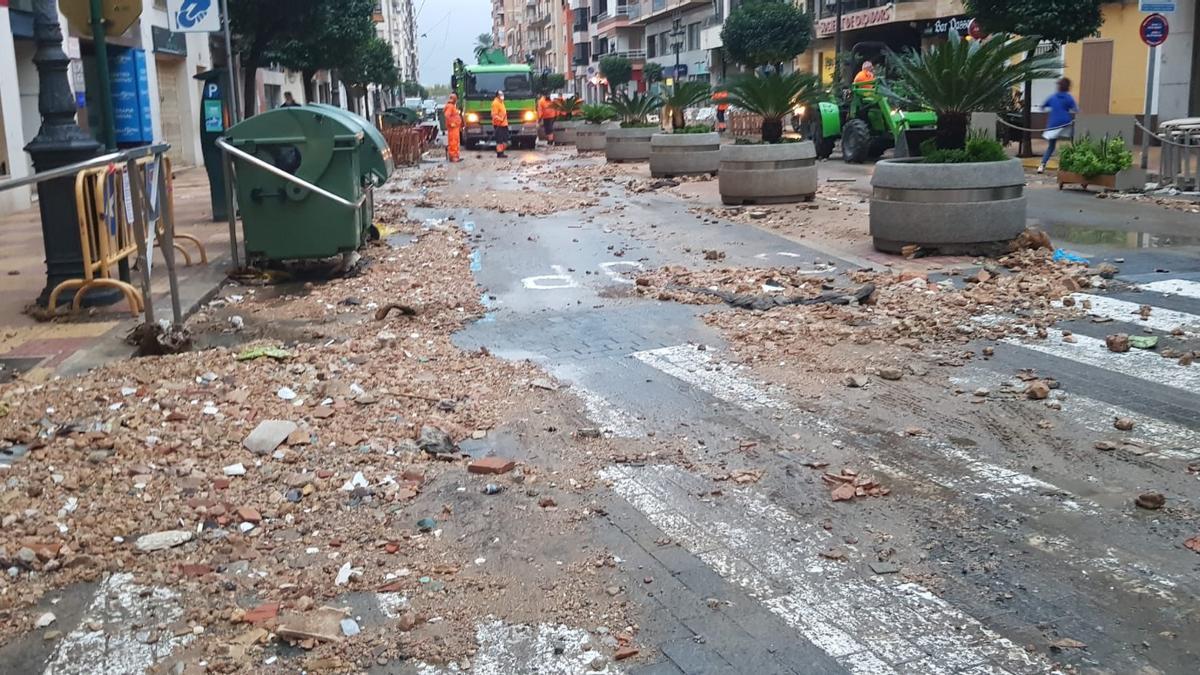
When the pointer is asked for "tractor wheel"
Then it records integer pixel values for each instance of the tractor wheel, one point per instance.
(815, 132)
(856, 141)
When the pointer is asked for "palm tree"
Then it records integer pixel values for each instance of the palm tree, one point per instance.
(633, 110)
(598, 114)
(568, 107)
(483, 44)
(960, 77)
(773, 97)
(683, 96)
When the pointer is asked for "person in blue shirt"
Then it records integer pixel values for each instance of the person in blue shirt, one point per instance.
(1061, 107)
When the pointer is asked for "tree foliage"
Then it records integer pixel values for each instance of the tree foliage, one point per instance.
(258, 27)
(413, 88)
(335, 31)
(682, 96)
(766, 33)
(653, 72)
(547, 84)
(484, 43)
(374, 63)
(1059, 21)
(634, 110)
(618, 70)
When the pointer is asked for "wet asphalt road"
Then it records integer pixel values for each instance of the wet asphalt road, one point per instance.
(1025, 545)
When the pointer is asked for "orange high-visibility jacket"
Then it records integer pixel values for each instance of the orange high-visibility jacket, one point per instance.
(722, 99)
(454, 118)
(499, 113)
(546, 109)
(865, 80)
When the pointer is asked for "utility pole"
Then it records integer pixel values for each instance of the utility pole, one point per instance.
(234, 98)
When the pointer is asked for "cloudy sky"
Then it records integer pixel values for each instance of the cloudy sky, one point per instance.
(446, 30)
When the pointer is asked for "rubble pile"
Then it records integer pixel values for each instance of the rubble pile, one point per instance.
(523, 202)
(265, 481)
(1017, 297)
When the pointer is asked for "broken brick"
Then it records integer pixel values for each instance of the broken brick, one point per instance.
(264, 612)
(492, 465)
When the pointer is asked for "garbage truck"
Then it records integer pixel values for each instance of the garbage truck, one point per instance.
(476, 86)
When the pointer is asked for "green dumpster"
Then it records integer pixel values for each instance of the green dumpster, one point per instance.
(324, 212)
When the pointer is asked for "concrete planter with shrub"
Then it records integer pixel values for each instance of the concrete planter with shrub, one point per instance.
(564, 132)
(591, 137)
(971, 208)
(684, 154)
(768, 173)
(629, 144)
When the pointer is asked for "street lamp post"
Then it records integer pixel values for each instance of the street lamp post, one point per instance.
(677, 44)
(59, 142)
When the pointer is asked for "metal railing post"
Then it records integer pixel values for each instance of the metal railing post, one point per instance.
(168, 247)
(231, 209)
(137, 188)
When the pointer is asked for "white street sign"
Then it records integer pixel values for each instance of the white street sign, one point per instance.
(193, 16)
(1157, 6)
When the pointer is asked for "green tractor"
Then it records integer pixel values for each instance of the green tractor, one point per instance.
(866, 122)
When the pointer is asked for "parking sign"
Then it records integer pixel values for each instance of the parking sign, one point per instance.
(194, 16)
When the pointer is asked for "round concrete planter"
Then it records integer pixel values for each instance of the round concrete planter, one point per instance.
(629, 145)
(956, 209)
(591, 137)
(684, 154)
(768, 174)
(564, 132)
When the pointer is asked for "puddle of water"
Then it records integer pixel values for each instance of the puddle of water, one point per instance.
(1125, 239)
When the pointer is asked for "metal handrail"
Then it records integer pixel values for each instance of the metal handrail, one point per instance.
(274, 170)
(93, 163)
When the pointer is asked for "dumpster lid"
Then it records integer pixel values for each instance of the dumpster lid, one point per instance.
(375, 157)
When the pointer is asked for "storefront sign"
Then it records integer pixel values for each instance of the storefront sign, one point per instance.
(963, 25)
(856, 20)
(168, 42)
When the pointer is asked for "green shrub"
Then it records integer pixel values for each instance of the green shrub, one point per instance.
(1089, 158)
(598, 114)
(978, 149)
(695, 129)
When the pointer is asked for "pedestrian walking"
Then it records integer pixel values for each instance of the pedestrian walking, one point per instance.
(500, 124)
(547, 114)
(454, 123)
(289, 101)
(1061, 107)
(721, 98)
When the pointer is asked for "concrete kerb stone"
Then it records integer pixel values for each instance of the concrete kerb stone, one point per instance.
(768, 174)
(958, 209)
(591, 137)
(684, 154)
(629, 145)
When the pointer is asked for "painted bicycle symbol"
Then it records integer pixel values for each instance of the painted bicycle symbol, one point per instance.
(192, 12)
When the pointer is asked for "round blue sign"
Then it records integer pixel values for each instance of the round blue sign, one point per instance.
(1155, 30)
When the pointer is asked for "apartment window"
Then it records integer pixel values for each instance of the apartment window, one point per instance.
(651, 46)
(693, 36)
(581, 21)
(663, 47)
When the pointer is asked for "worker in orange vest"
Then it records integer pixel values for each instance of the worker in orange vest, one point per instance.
(454, 123)
(865, 79)
(500, 124)
(547, 114)
(722, 100)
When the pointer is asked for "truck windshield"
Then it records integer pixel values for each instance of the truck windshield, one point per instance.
(514, 85)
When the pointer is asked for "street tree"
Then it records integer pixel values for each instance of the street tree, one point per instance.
(260, 26)
(374, 63)
(653, 72)
(547, 84)
(1057, 21)
(336, 30)
(618, 70)
(766, 33)
(484, 43)
(414, 88)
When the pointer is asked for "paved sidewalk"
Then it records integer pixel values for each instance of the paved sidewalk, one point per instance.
(40, 349)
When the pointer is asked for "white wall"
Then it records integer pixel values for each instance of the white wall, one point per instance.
(1175, 64)
(12, 141)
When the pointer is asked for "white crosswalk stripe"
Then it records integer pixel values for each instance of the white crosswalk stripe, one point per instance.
(1188, 289)
(1160, 319)
(1143, 365)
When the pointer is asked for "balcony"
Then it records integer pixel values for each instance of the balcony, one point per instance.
(539, 20)
(653, 10)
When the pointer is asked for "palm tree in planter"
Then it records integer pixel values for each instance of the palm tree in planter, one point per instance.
(960, 77)
(917, 201)
(685, 151)
(592, 135)
(760, 35)
(631, 142)
(773, 97)
(568, 110)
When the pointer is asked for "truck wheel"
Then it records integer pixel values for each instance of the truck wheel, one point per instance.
(856, 141)
(815, 132)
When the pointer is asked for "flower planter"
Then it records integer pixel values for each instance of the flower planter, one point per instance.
(768, 174)
(591, 137)
(684, 154)
(956, 209)
(629, 145)
(564, 132)
(1129, 179)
